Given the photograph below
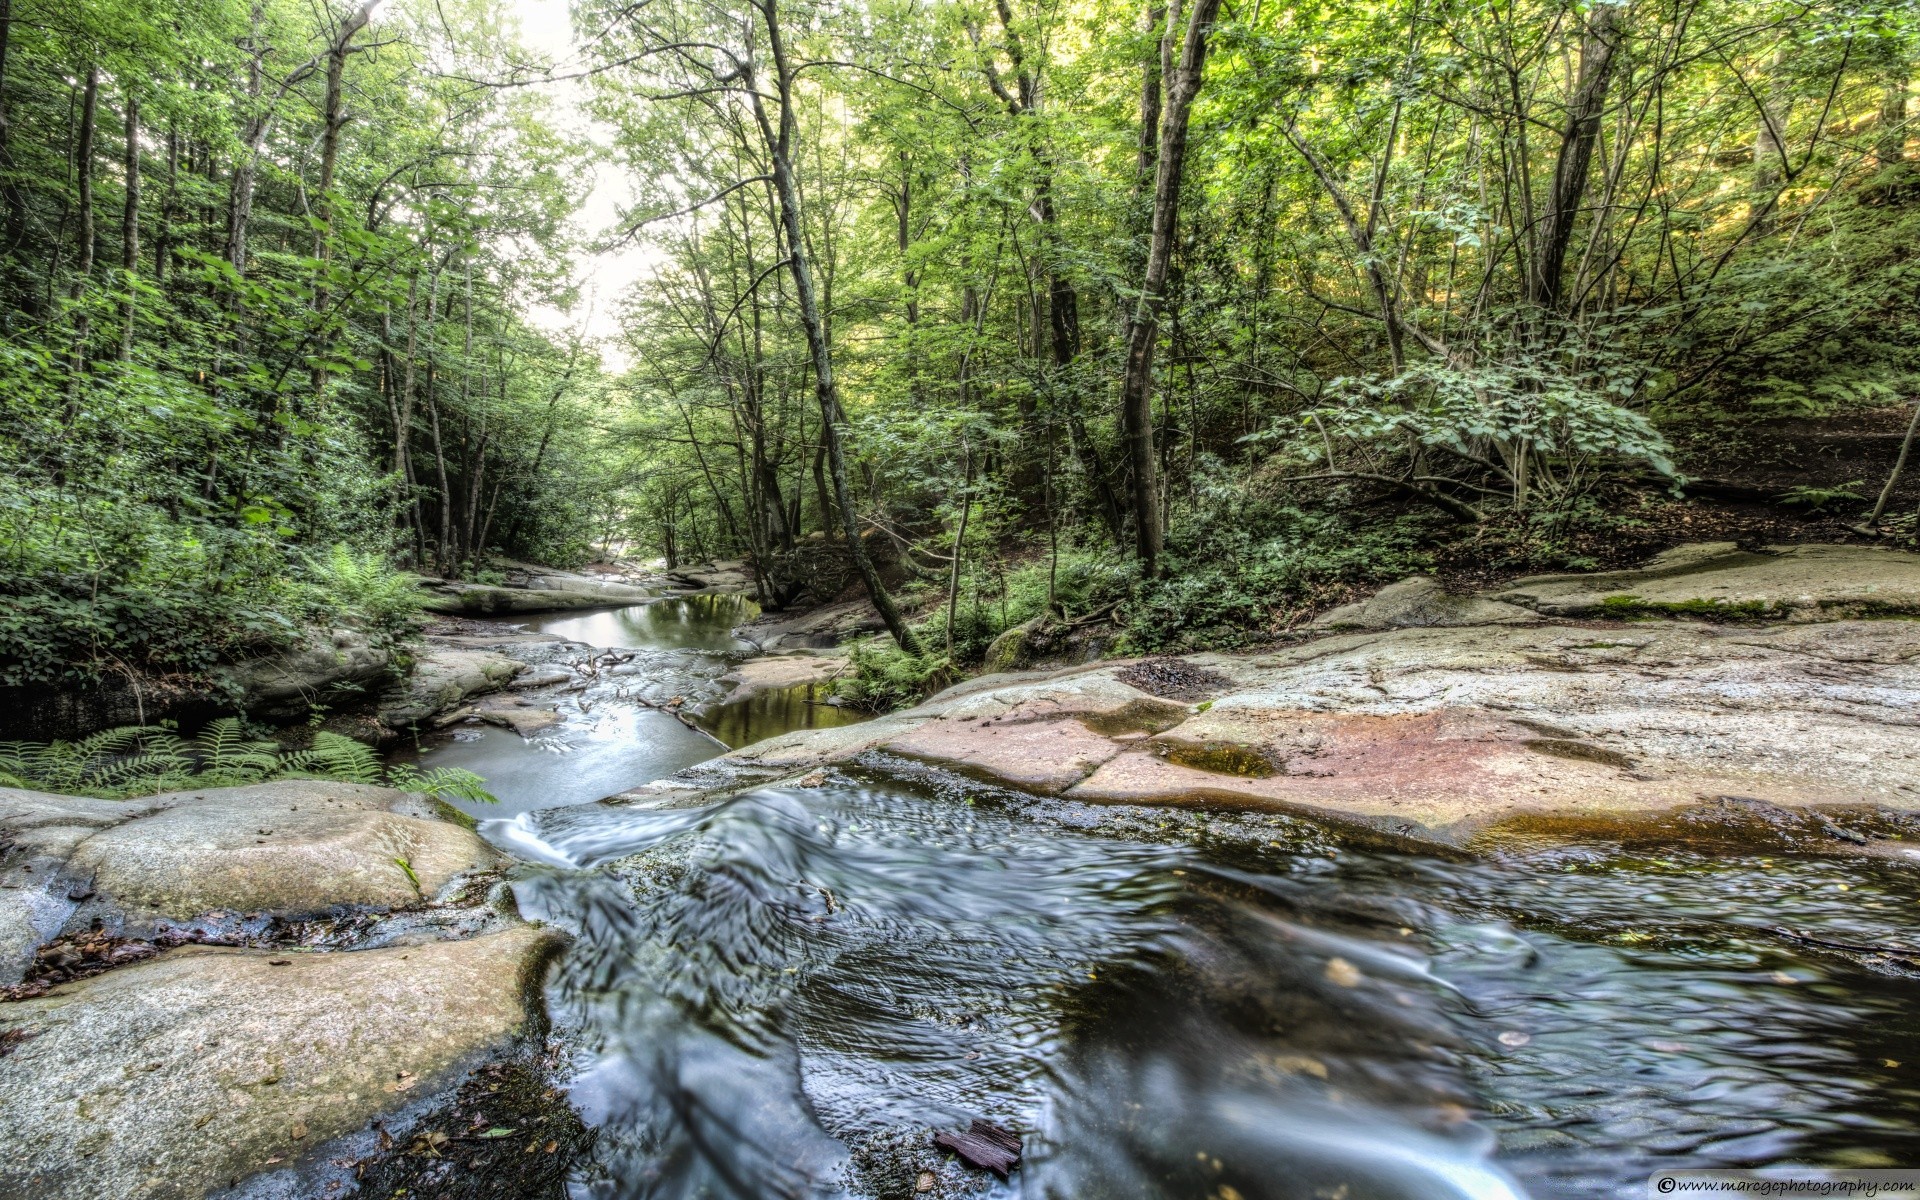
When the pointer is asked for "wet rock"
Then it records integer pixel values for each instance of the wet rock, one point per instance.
(819, 628)
(479, 599)
(1439, 732)
(984, 1147)
(285, 686)
(1011, 650)
(289, 846)
(1421, 602)
(1721, 580)
(780, 671)
(443, 678)
(541, 677)
(174, 1076)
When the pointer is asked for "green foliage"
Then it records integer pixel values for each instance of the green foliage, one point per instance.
(1248, 568)
(365, 590)
(1538, 417)
(140, 760)
(885, 677)
(1819, 499)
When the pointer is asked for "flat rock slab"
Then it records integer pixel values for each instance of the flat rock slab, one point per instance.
(443, 678)
(1438, 732)
(1421, 602)
(478, 599)
(1042, 756)
(294, 846)
(1804, 582)
(173, 1077)
(825, 626)
(775, 672)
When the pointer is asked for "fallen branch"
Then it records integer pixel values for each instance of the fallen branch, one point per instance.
(1459, 509)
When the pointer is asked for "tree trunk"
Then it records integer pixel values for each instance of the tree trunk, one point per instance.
(1769, 144)
(1136, 391)
(1584, 108)
(16, 203)
(83, 179)
(1890, 141)
(163, 239)
(130, 229)
(959, 544)
(332, 120)
(779, 146)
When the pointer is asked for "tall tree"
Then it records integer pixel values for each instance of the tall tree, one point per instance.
(1136, 399)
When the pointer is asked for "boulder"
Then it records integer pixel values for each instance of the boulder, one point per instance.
(479, 599)
(1421, 602)
(1439, 733)
(443, 678)
(818, 628)
(286, 686)
(288, 847)
(174, 1077)
(778, 672)
(1718, 579)
(1009, 651)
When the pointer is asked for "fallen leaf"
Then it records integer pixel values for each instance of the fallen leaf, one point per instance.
(924, 1183)
(498, 1132)
(1300, 1064)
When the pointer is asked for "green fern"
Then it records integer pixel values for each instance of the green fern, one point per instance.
(138, 760)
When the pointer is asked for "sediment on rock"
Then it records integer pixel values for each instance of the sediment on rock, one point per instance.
(1449, 715)
(177, 1076)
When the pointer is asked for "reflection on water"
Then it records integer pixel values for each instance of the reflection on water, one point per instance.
(614, 735)
(681, 623)
(784, 993)
(773, 711)
(608, 749)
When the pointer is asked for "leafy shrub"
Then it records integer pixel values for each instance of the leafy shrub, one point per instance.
(142, 760)
(885, 677)
(365, 590)
(1243, 566)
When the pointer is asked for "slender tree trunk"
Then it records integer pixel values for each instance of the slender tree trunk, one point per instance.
(10, 194)
(826, 391)
(1769, 143)
(1589, 100)
(1890, 140)
(169, 210)
(959, 544)
(443, 550)
(83, 179)
(1136, 390)
(130, 229)
(1871, 524)
(333, 119)
(253, 129)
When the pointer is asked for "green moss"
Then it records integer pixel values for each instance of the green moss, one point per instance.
(1222, 758)
(1631, 607)
(447, 812)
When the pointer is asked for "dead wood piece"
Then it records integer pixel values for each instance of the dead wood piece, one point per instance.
(984, 1147)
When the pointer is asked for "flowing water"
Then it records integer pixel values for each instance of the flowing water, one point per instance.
(784, 992)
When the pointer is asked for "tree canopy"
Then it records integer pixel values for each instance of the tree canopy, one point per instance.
(1187, 312)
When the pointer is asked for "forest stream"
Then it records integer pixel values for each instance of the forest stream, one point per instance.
(787, 991)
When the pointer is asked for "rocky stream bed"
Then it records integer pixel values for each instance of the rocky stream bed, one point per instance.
(1479, 896)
